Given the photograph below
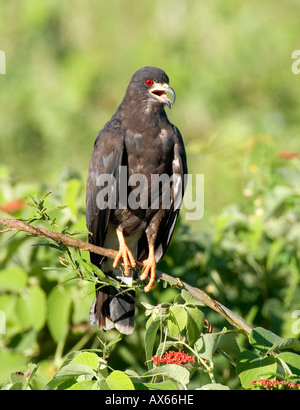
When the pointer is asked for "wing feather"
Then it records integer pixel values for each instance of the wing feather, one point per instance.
(106, 159)
(167, 225)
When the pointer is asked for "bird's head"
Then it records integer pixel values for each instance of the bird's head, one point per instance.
(150, 85)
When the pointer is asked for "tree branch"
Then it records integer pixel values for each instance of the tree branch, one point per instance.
(231, 317)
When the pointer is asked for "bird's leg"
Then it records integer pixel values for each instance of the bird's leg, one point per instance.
(150, 266)
(125, 253)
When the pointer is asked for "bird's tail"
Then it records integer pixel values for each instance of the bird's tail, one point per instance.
(114, 307)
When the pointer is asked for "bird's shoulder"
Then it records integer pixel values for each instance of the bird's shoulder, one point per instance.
(176, 134)
(107, 152)
(178, 140)
(110, 137)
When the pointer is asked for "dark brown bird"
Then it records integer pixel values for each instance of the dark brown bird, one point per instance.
(134, 190)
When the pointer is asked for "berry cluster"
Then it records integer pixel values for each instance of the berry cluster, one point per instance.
(274, 384)
(174, 358)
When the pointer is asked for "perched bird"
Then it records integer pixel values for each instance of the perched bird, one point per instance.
(123, 211)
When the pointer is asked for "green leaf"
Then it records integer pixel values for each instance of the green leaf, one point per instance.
(69, 372)
(59, 308)
(87, 358)
(194, 326)
(71, 195)
(149, 339)
(33, 369)
(90, 270)
(207, 345)
(165, 345)
(84, 385)
(84, 300)
(214, 386)
(166, 385)
(252, 367)
(13, 279)
(288, 343)
(18, 378)
(190, 299)
(262, 339)
(228, 344)
(17, 386)
(148, 308)
(118, 380)
(69, 358)
(11, 362)
(292, 360)
(31, 308)
(173, 371)
(19, 381)
(112, 345)
(177, 319)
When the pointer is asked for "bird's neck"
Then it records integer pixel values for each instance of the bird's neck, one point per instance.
(139, 117)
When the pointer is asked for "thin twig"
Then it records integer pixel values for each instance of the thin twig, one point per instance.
(231, 317)
(6, 230)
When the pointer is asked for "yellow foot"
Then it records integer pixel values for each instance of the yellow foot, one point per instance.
(150, 266)
(124, 253)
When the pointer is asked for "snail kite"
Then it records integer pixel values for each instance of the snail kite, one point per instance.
(123, 211)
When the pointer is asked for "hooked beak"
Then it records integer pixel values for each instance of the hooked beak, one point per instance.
(159, 91)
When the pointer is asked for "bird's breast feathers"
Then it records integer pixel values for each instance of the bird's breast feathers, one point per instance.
(151, 146)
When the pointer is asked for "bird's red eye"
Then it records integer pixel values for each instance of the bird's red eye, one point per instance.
(148, 82)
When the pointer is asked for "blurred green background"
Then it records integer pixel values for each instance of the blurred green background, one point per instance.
(67, 67)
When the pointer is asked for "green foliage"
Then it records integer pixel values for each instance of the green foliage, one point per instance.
(267, 361)
(247, 260)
